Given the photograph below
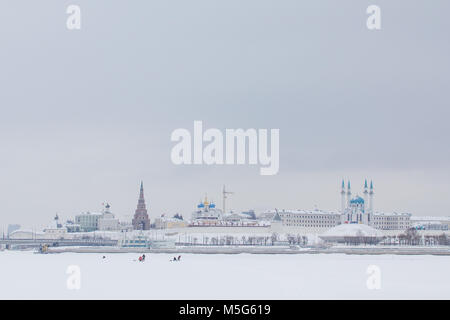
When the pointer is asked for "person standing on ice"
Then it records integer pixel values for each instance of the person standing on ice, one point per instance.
(143, 257)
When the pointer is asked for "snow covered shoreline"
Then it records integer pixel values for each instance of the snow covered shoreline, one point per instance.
(26, 275)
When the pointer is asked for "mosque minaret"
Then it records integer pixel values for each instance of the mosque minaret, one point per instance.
(349, 194)
(366, 193)
(343, 203)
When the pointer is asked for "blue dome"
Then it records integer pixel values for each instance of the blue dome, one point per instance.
(201, 205)
(212, 205)
(357, 200)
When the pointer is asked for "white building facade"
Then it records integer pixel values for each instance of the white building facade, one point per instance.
(391, 221)
(88, 221)
(431, 223)
(107, 222)
(312, 221)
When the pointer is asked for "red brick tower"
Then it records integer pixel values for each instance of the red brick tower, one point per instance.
(140, 219)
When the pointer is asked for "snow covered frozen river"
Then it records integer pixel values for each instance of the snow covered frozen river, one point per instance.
(25, 275)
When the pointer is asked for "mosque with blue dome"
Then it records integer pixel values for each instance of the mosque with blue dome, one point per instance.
(357, 209)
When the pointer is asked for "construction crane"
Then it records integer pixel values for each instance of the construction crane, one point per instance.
(225, 194)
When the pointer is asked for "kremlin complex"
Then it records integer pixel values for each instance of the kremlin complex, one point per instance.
(207, 218)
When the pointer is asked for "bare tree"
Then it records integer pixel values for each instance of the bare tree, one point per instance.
(274, 237)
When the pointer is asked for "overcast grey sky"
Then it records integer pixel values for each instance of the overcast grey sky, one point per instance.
(87, 114)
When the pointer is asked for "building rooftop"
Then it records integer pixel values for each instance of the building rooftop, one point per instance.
(377, 213)
(430, 218)
(90, 213)
(316, 211)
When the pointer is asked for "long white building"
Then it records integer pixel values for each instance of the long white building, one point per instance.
(308, 221)
(431, 223)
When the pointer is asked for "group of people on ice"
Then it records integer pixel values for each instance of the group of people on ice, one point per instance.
(142, 258)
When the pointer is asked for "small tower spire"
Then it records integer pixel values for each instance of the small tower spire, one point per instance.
(349, 194)
(366, 196)
(225, 194)
(141, 190)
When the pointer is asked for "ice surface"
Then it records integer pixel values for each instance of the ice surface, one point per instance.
(25, 275)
